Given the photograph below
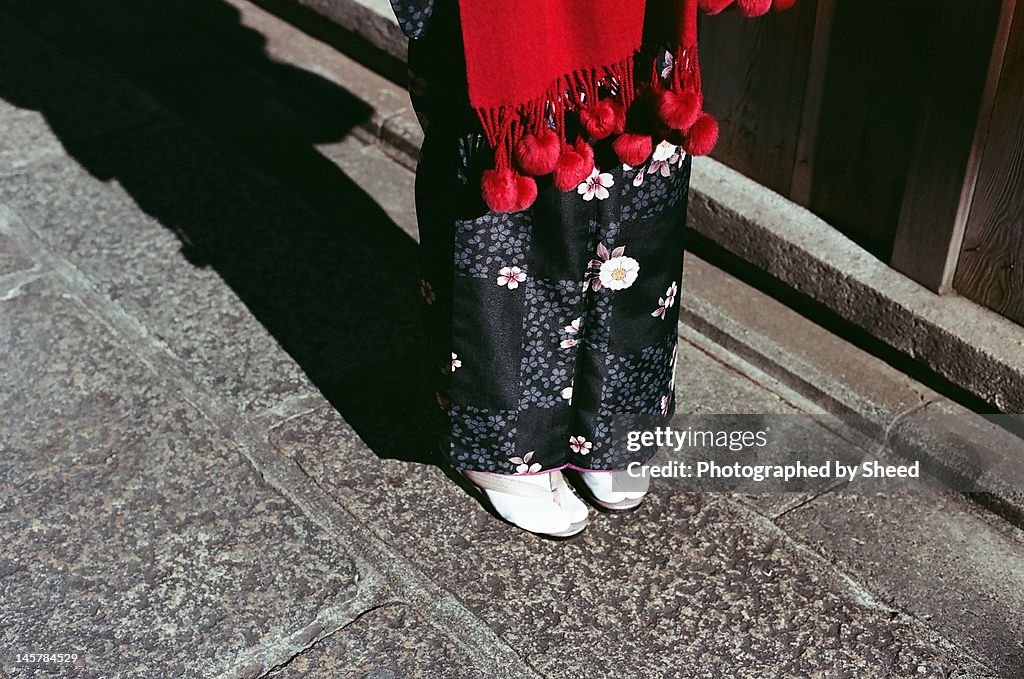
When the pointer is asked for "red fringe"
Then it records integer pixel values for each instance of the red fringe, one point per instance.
(505, 126)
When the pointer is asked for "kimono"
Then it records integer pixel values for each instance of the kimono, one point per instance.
(552, 331)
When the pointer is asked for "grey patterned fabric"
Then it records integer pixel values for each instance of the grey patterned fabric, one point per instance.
(413, 16)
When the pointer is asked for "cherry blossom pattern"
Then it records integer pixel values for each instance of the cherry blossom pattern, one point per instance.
(427, 291)
(456, 362)
(666, 302)
(612, 270)
(596, 185)
(618, 273)
(523, 464)
(666, 156)
(572, 329)
(668, 60)
(664, 404)
(511, 277)
(580, 445)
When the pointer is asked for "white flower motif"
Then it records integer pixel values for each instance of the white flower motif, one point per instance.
(639, 178)
(567, 393)
(618, 273)
(456, 362)
(661, 167)
(670, 61)
(670, 294)
(580, 445)
(523, 465)
(664, 405)
(596, 185)
(592, 277)
(511, 277)
(427, 291)
(573, 328)
(665, 156)
(664, 303)
(664, 150)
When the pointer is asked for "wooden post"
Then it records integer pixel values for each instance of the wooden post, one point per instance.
(944, 169)
(803, 168)
(991, 267)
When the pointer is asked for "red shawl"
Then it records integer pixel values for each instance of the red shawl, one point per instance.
(530, 62)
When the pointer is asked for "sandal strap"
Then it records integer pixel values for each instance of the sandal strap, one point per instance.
(514, 485)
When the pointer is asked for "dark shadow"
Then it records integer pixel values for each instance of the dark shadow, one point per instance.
(219, 149)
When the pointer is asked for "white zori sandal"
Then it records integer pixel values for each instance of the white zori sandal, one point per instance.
(600, 485)
(539, 503)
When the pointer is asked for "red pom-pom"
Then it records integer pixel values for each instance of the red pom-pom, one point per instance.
(538, 153)
(713, 6)
(633, 149)
(782, 5)
(500, 190)
(703, 136)
(508, 191)
(620, 117)
(754, 8)
(603, 118)
(679, 110)
(574, 165)
(526, 192)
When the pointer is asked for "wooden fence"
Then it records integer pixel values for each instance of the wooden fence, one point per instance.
(899, 123)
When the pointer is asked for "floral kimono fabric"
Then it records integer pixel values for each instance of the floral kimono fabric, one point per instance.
(548, 328)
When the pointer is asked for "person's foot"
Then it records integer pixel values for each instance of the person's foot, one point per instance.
(575, 508)
(539, 503)
(601, 485)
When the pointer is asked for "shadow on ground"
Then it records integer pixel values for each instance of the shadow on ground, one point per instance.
(336, 285)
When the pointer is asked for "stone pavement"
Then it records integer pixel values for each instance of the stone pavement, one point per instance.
(212, 464)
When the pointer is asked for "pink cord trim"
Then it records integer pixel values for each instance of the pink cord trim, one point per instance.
(567, 465)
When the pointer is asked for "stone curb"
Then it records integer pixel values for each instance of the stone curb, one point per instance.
(969, 345)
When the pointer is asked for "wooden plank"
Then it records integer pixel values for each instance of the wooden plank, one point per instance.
(951, 134)
(879, 56)
(991, 267)
(754, 73)
(803, 167)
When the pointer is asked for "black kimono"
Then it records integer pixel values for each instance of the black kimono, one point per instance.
(554, 329)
